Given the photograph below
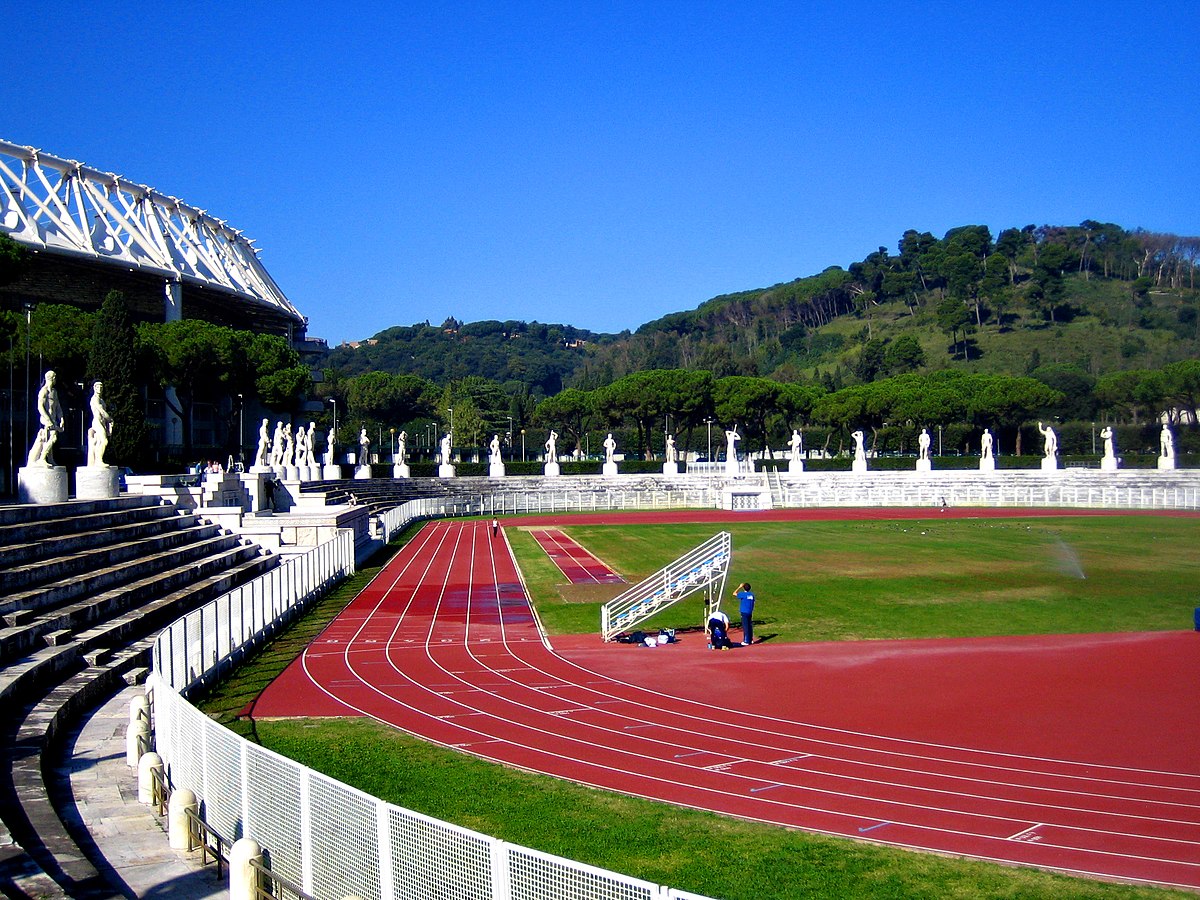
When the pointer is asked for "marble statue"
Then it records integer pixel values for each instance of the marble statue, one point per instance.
(860, 452)
(277, 446)
(262, 456)
(1166, 443)
(1109, 438)
(445, 445)
(330, 447)
(1050, 440)
(494, 457)
(610, 449)
(402, 449)
(310, 442)
(50, 424)
(731, 440)
(985, 445)
(288, 458)
(795, 446)
(672, 455)
(101, 428)
(552, 446)
(364, 447)
(923, 444)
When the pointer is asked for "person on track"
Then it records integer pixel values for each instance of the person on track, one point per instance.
(495, 527)
(718, 631)
(746, 608)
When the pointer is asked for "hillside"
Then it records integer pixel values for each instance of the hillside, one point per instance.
(1094, 296)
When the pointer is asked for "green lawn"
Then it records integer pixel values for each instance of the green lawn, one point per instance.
(818, 581)
(815, 581)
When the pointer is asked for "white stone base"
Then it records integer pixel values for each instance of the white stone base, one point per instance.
(858, 466)
(731, 469)
(42, 484)
(1166, 462)
(445, 470)
(311, 473)
(291, 473)
(795, 466)
(262, 470)
(400, 470)
(1050, 464)
(495, 470)
(331, 473)
(1108, 464)
(925, 465)
(670, 468)
(97, 483)
(552, 470)
(362, 473)
(987, 465)
(609, 469)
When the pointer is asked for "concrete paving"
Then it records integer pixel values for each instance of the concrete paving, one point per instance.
(129, 842)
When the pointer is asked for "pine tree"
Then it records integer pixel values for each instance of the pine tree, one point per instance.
(113, 362)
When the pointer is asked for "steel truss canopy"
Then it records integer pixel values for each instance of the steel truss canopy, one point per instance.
(64, 207)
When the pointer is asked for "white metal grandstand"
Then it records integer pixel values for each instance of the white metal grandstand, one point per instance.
(60, 206)
(703, 568)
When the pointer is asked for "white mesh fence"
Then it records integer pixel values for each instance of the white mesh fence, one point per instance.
(329, 838)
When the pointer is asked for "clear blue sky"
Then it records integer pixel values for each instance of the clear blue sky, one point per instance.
(605, 163)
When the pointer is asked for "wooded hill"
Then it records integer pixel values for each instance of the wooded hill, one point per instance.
(1093, 296)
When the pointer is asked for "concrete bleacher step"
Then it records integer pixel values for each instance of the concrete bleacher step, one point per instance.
(35, 530)
(220, 574)
(29, 550)
(79, 563)
(22, 604)
(30, 514)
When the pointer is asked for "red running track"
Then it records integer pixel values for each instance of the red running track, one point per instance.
(1078, 754)
(578, 565)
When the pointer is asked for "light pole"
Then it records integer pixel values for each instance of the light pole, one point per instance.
(28, 328)
(510, 446)
(1093, 439)
(242, 430)
(83, 426)
(451, 426)
(333, 403)
(393, 446)
(939, 440)
(522, 445)
(708, 422)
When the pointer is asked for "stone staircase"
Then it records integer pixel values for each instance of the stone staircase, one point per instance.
(84, 586)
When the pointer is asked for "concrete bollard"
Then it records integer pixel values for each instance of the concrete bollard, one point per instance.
(243, 879)
(139, 708)
(137, 741)
(179, 829)
(149, 765)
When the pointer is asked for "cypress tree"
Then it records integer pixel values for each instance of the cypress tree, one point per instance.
(113, 361)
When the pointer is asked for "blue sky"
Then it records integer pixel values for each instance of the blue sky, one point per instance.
(603, 164)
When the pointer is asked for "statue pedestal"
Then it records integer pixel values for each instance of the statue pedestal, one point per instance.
(291, 473)
(987, 465)
(445, 470)
(314, 473)
(400, 470)
(795, 466)
(859, 466)
(42, 484)
(362, 473)
(496, 470)
(731, 468)
(97, 483)
(1166, 462)
(925, 465)
(609, 469)
(261, 470)
(331, 472)
(671, 468)
(552, 470)
(1050, 464)
(1108, 464)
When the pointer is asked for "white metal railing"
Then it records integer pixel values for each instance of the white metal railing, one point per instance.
(329, 838)
(703, 568)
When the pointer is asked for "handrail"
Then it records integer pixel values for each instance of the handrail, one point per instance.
(268, 877)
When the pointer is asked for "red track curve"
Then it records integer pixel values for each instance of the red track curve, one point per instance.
(444, 644)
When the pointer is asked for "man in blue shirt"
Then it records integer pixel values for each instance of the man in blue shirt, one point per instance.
(746, 608)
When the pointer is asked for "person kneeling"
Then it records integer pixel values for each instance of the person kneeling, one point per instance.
(718, 631)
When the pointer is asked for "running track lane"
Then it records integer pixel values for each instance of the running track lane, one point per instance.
(444, 644)
(578, 565)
